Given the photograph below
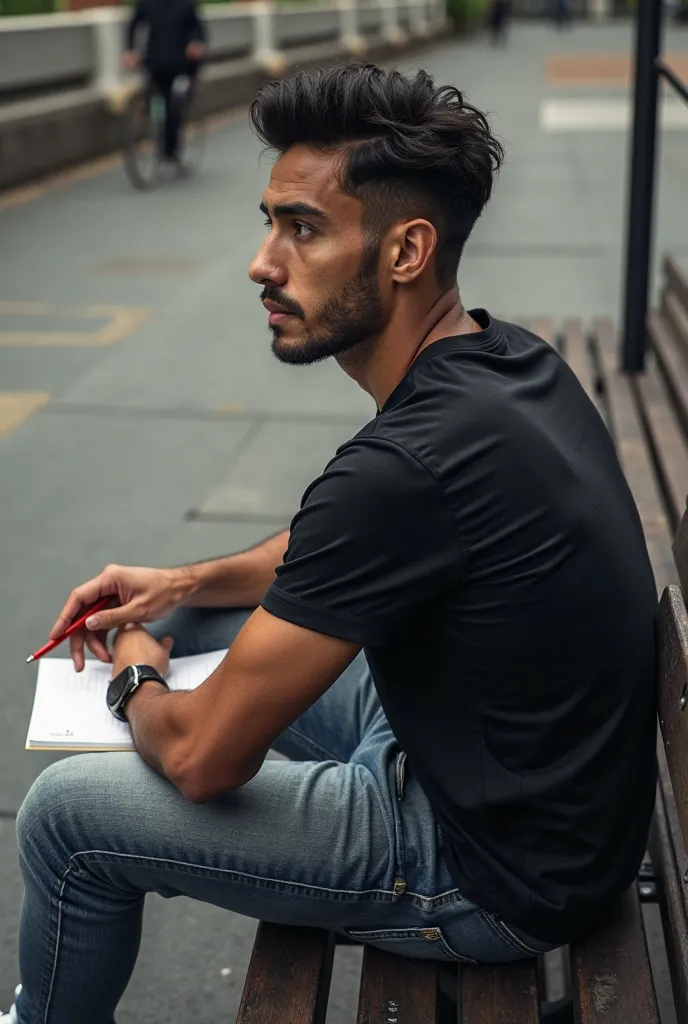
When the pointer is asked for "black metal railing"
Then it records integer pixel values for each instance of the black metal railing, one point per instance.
(649, 69)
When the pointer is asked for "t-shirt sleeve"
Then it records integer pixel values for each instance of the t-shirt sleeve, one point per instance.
(372, 542)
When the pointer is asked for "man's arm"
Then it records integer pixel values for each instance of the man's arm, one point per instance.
(215, 738)
(144, 595)
(236, 581)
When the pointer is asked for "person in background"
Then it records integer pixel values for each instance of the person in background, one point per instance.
(174, 49)
(498, 20)
(562, 13)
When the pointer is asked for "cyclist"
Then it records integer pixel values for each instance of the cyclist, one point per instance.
(174, 49)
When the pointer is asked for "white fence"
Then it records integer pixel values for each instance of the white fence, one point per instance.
(49, 53)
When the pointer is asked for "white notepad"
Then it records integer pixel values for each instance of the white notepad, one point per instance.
(69, 709)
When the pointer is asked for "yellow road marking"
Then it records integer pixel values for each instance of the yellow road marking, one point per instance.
(121, 322)
(17, 406)
(231, 408)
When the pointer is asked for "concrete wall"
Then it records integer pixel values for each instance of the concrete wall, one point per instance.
(63, 90)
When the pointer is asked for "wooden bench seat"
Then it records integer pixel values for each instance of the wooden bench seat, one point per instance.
(609, 973)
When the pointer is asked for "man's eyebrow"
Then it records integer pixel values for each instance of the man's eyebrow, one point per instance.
(294, 209)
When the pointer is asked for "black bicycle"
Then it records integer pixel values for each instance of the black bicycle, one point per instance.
(144, 125)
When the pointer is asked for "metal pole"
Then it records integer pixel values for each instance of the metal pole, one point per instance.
(641, 200)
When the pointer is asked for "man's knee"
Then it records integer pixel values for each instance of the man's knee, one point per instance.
(69, 804)
(43, 810)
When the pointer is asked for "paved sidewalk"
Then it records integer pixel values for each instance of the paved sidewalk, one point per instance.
(144, 420)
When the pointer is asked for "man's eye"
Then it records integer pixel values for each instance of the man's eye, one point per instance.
(302, 230)
(267, 222)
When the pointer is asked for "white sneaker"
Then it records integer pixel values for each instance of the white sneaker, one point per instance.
(11, 1017)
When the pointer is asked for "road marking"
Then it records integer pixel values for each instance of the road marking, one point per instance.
(231, 409)
(136, 265)
(121, 322)
(613, 70)
(576, 115)
(17, 406)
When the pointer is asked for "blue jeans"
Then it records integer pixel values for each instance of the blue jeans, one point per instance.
(342, 837)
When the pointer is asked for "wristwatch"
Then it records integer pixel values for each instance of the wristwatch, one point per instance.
(126, 683)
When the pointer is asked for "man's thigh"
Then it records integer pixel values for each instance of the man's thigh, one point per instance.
(331, 729)
(302, 843)
(199, 630)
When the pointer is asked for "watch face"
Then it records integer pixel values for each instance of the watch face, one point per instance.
(118, 686)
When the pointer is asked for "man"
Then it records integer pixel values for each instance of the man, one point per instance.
(174, 48)
(498, 20)
(478, 783)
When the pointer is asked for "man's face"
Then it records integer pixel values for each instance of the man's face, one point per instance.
(320, 279)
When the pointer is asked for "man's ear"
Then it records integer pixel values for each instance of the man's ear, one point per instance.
(413, 247)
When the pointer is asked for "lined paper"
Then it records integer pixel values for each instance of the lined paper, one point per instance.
(69, 709)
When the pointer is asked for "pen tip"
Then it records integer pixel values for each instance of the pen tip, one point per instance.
(29, 659)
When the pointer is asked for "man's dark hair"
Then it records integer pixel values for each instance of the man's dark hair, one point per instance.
(410, 149)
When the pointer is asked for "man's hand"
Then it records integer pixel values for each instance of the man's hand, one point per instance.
(135, 646)
(195, 50)
(131, 60)
(215, 737)
(142, 595)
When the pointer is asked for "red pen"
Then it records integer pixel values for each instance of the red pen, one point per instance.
(52, 644)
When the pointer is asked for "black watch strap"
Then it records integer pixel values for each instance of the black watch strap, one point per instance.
(148, 672)
(125, 685)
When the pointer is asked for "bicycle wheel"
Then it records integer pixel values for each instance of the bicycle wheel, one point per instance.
(192, 133)
(143, 125)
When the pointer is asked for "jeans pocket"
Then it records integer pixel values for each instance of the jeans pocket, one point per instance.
(421, 943)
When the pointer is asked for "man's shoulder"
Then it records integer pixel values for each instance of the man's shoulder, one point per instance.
(378, 444)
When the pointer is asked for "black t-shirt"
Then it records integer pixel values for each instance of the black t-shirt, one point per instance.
(172, 25)
(479, 539)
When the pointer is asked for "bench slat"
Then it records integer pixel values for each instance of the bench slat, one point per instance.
(681, 552)
(634, 456)
(288, 978)
(675, 315)
(612, 980)
(543, 326)
(672, 366)
(673, 695)
(672, 905)
(577, 355)
(500, 994)
(676, 280)
(394, 987)
(668, 442)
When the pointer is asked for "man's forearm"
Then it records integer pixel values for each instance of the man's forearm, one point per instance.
(237, 581)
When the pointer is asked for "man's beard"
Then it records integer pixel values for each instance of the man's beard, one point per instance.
(346, 319)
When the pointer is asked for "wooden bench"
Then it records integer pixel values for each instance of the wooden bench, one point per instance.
(609, 975)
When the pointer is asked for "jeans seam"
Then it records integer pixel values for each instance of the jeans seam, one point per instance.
(311, 745)
(370, 935)
(440, 897)
(524, 945)
(58, 938)
(243, 875)
(506, 936)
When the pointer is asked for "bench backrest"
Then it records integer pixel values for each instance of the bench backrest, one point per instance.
(673, 676)
(669, 835)
(674, 302)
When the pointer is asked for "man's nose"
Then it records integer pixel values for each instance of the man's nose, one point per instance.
(264, 269)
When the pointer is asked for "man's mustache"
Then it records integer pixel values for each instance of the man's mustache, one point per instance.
(287, 304)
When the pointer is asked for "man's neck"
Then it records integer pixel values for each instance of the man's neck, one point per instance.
(379, 367)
